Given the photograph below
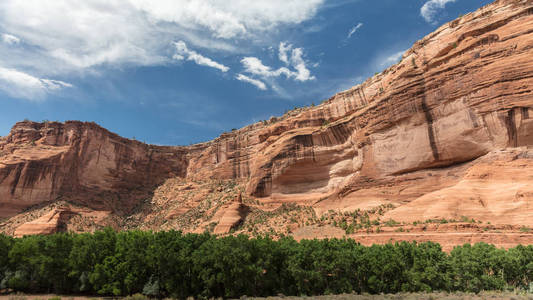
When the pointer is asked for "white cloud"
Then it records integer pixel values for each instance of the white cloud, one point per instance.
(303, 74)
(392, 59)
(354, 30)
(283, 49)
(22, 85)
(182, 52)
(230, 18)
(255, 66)
(258, 83)
(64, 37)
(95, 32)
(430, 9)
(10, 39)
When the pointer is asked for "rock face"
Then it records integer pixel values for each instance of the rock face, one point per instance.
(230, 217)
(82, 163)
(51, 222)
(442, 134)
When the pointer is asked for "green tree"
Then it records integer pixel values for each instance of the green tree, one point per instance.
(89, 250)
(6, 243)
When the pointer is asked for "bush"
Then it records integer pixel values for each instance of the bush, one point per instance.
(171, 264)
(525, 229)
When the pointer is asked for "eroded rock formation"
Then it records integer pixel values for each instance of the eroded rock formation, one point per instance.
(442, 134)
(82, 163)
(51, 222)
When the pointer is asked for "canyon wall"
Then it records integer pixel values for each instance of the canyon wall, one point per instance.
(81, 163)
(457, 94)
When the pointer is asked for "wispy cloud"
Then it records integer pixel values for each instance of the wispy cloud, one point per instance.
(297, 61)
(182, 52)
(255, 66)
(354, 30)
(295, 68)
(351, 32)
(22, 85)
(430, 9)
(291, 57)
(284, 50)
(10, 39)
(258, 83)
(392, 59)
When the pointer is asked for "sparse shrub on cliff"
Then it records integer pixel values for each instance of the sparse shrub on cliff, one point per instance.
(350, 229)
(391, 223)
(525, 229)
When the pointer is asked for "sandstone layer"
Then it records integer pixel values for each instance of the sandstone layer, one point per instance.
(444, 134)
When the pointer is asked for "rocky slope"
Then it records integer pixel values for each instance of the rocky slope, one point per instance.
(443, 134)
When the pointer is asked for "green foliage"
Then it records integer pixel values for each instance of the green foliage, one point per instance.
(6, 243)
(391, 223)
(525, 229)
(171, 264)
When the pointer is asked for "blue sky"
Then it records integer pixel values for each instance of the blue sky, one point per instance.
(177, 72)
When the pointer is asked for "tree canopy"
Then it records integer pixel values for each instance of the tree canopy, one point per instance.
(178, 265)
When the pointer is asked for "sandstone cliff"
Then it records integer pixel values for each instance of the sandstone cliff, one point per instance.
(82, 163)
(443, 134)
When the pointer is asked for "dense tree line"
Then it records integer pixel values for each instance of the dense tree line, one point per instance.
(202, 265)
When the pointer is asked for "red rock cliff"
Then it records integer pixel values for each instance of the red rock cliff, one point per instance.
(81, 163)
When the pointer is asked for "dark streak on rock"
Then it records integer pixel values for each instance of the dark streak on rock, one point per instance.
(431, 134)
(511, 128)
(525, 113)
(473, 118)
(16, 179)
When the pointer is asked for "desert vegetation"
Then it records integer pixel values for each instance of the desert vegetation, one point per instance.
(173, 264)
